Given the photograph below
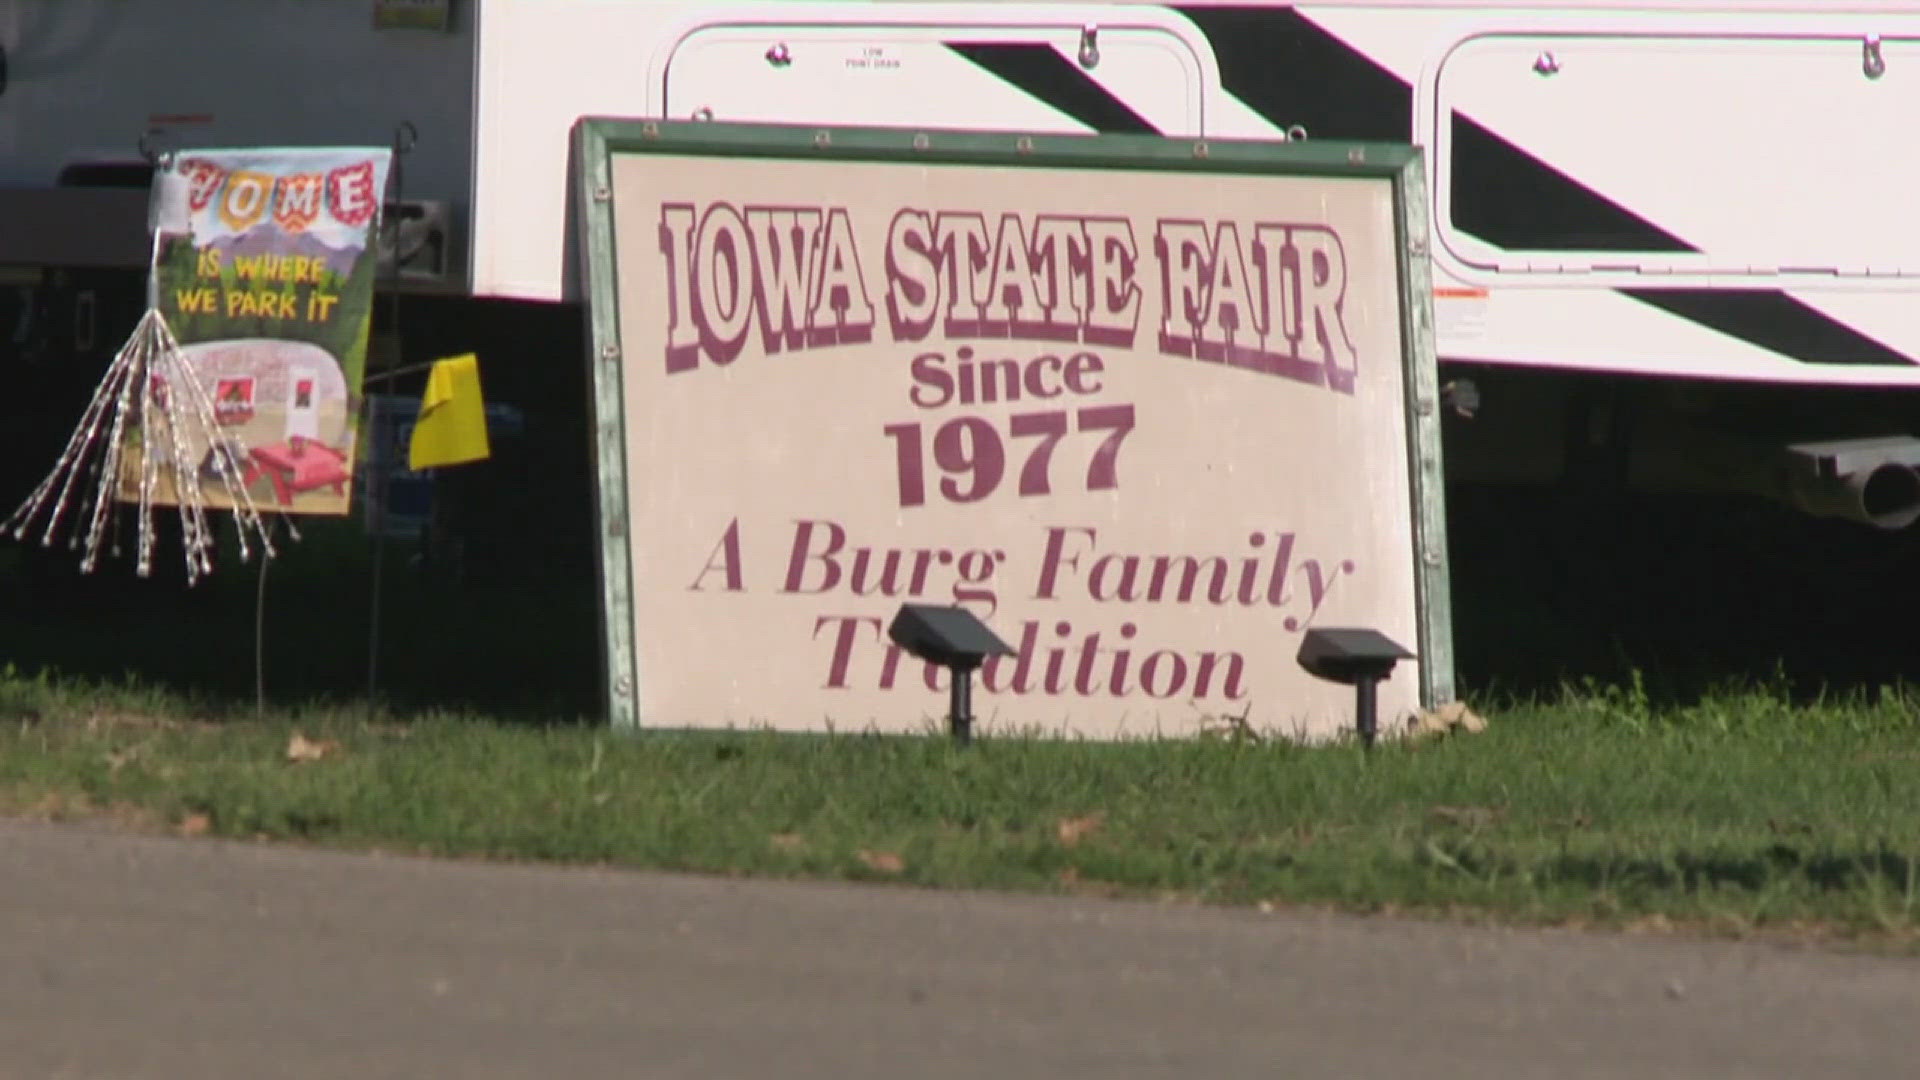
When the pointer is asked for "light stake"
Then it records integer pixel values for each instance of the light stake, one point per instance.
(957, 640)
(1356, 657)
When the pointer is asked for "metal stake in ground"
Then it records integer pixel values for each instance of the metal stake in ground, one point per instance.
(960, 703)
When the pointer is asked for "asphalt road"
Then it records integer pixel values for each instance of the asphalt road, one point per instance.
(128, 957)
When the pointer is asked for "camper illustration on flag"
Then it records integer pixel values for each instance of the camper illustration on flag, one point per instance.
(285, 418)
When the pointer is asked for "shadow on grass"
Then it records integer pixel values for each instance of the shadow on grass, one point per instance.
(1750, 872)
(1773, 867)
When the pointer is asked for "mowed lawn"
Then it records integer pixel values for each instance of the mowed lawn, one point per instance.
(1742, 814)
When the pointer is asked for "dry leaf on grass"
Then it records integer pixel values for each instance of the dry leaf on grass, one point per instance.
(195, 825)
(886, 862)
(1452, 718)
(301, 748)
(1070, 830)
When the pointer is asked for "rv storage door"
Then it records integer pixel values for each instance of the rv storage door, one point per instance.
(1030, 73)
(1755, 155)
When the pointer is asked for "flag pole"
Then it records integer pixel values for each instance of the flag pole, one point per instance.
(403, 139)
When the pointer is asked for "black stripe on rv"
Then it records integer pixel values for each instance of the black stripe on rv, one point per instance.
(1290, 71)
(1772, 320)
(1038, 69)
(1512, 200)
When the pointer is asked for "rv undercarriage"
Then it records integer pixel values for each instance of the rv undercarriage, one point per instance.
(1821, 451)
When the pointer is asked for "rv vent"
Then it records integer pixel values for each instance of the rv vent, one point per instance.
(415, 240)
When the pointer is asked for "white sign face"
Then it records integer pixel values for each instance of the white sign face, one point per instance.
(1150, 425)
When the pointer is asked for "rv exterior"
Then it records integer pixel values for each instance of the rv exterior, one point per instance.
(1673, 243)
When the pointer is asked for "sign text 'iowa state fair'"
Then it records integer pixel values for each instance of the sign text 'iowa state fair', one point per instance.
(1266, 298)
(1044, 302)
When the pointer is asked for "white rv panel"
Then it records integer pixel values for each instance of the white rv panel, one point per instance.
(1605, 331)
(544, 65)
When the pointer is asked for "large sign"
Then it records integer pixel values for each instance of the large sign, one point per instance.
(1150, 408)
(263, 270)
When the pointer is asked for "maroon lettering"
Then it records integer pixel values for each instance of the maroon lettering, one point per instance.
(865, 580)
(1117, 421)
(1323, 291)
(676, 243)
(845, 627)
(1277, 264)
(1181, 248)
(976, 569)
(1048, 278)
(961, 250)
(1053, 559)
(723, 283)
(913, 277)
(822, 560)
(1113, 297)
(972, 453)
(1117, 680)
(794, 271)
(1083, 683)
(1271, 301)
(1070, 661)
(785, 240)
(1231, 317)
(1013, 307)
(727, 551)
(1060, 259)
(1206, 662)
(1081, 368)
(1048, 428)
(964, 380)
(1268, 297)
(1035, 380)
(1319, 583)
(802, 553)
(1246, 580)
(1016, 682)
(932, 385)
(1166, 668)
(841, 313)
(890, 666)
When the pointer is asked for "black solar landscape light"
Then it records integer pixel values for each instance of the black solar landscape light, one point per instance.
(956, 640)
(1355, 657)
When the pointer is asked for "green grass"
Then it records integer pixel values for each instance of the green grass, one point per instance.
(1739, 814)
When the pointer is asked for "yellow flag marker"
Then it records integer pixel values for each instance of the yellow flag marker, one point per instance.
(452, 427)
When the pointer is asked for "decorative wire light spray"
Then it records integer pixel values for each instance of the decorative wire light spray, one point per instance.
(145, 385)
